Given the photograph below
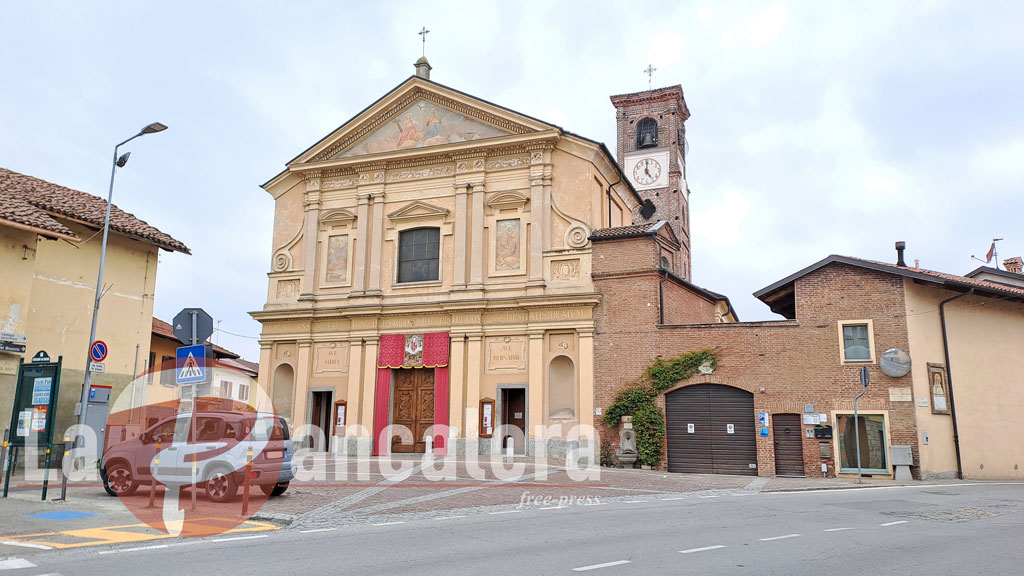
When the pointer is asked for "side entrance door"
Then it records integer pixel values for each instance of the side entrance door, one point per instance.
(789, 446)
(413, 407)
(513, 404)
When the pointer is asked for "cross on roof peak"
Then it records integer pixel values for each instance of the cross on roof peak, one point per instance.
(423, 35)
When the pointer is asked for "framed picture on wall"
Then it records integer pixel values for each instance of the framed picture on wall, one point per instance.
(938, 388)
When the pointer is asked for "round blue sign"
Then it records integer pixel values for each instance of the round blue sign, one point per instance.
(98, 351)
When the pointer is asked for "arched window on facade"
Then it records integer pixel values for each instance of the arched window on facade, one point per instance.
(283, 390)
(647, 133)
(562, 388)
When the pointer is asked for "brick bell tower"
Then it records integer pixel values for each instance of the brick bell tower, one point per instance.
(651, 149)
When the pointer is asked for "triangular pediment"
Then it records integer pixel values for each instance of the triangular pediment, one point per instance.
(418, 210)
(420, 114)
(422, 124)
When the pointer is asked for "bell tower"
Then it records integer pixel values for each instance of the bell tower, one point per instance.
(651, 149)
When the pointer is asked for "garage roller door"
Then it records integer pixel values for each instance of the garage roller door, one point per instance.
(711, 430)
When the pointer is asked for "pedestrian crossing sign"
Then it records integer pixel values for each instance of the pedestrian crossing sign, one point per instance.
(190, 365)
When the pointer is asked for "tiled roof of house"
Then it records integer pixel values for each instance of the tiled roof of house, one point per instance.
(780, 298)
(625, 231)
(22, 214)
(33, 202)
(951, 277)
(165, 330)
(243, 365)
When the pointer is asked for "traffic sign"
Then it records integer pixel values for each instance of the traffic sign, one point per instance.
(183, 326)
(190, 363)
(98, 351)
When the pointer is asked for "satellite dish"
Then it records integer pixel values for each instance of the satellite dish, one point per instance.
(647, 210)
(895, 363)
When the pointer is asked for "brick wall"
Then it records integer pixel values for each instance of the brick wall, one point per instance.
(795, 362)
(666, 106)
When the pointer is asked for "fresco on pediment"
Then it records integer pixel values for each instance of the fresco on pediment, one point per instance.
(423, 124)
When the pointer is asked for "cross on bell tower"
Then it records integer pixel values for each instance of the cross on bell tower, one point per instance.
(650, 70)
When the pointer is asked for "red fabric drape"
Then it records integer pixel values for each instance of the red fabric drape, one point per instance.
(392, 351)
(381, 409)
(392, 355)
(435, 350)
(441, 408)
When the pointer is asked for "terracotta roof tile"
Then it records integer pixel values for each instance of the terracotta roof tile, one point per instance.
(953, 277)
(623, 231)
(165, 330)
(50, 199)
(17, 211)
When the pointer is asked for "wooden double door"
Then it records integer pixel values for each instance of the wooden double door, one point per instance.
(413, 407)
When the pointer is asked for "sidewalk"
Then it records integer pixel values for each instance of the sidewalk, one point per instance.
(336, 492)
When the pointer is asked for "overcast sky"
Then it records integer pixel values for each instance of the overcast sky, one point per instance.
(816, 128)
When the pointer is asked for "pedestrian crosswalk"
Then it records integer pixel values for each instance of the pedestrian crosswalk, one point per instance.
(14, 564)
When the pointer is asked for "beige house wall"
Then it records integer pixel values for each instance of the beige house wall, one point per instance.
(986, 339)
(56, 310)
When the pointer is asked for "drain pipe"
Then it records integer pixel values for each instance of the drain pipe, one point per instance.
(609, 191)
(661, 286)
(949, 379)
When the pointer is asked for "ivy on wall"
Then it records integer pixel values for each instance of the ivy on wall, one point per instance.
(667, 373)
(637, 399)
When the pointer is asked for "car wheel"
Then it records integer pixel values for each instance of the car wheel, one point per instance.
(221, 486)
(274, 489)
(118, 480)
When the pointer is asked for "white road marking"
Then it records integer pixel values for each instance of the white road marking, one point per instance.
(14, 563)
(233, 538)
(389, 523)
(316, 530)
(707, 496)
(26, 545)
(634, 501)
(596, 566)
(836, 529)
(505, 512)
(137, 549)
(553, 507)
(894, 523)
(705, 548)
(449, 517)
(676, 498)
(779, 537)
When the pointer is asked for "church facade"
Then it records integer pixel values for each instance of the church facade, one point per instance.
(432, 273)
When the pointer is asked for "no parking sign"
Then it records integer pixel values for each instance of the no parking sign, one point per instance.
(98, 351)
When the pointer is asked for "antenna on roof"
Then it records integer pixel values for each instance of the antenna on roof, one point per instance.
(991, 254)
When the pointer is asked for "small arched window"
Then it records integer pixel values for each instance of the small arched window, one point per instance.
(647, 133)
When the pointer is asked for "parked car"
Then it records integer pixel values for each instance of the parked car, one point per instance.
(222, 440)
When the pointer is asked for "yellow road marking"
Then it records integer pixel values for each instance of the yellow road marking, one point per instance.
(123, 534)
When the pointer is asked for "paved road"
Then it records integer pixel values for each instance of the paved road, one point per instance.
(950, 529)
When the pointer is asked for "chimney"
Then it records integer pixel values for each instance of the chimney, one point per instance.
(423, 68)
(1014, 264)
(900, 247)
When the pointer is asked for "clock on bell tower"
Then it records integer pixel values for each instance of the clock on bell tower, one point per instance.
(651, 150)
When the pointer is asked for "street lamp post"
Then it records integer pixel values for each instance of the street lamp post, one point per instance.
(118, 162)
